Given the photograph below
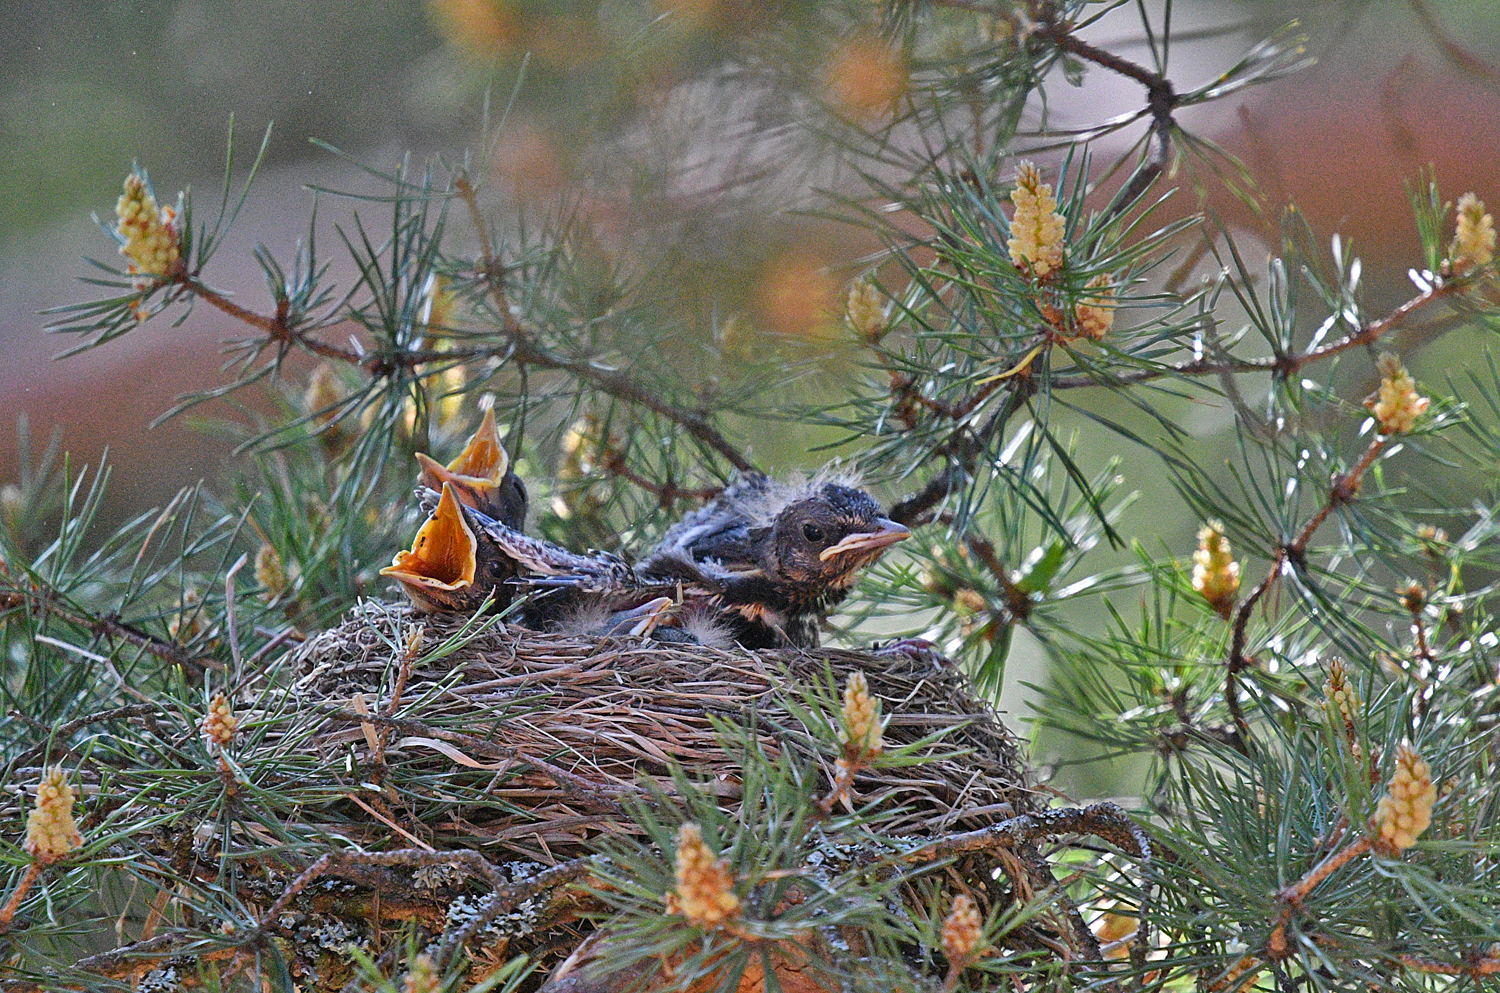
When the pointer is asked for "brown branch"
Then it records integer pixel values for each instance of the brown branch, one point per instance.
(507, 896)
(8, 912)
(65, 731)
(1344, 489)
(1479, 965)
(1102, 820)
(349, 864)
(622, 387)
(277, 328)
(1161, 101)
(963, 450)
(667, 494)
(135, 960)
(1282, 365)
(521, 345)
(1292, 897)
(527, 351)
(38, 596)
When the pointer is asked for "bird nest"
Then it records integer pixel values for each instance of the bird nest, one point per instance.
(458, 776)
(553, 732)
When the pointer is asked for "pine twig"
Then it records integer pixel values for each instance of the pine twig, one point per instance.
(1344, 489)
(526, 350)
(38, 596)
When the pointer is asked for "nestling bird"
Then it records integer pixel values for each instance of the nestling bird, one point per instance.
(442, 571)
(760, 565)
(461, 556)
(593, 619)
(773, 557)
(482, 476)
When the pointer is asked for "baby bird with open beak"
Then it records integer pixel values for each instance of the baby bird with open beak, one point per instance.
(460, 557)
(442, 571)
(482, 476)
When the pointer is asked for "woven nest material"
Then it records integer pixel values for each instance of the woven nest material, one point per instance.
(561, 729)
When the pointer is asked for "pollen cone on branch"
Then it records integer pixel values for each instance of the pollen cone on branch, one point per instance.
(481, 476)
(151, 238)
(1397, 404)
(51, 831)
(1404, 812)
(1473, 235)
(1216, 575)
(1036, 242)
(438, 572)
(963, 932)
(705, 888)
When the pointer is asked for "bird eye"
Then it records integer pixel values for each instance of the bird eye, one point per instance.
(812, 532)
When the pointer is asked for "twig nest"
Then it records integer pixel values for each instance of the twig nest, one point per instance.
(532, 741)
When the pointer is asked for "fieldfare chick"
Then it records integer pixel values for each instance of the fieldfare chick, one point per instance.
(442, 571)
(461, 556)
(482, 476)
(774, 557)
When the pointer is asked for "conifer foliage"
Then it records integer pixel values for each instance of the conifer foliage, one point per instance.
(1300, 710)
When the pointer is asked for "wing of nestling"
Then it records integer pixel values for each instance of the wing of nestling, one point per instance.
(718, 538)
(537, 557)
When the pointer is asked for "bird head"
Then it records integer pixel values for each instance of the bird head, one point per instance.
(825, 538)
(481, 475)
(447, 568)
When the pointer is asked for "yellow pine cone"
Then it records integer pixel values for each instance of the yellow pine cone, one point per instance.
(219, 724)
(188, 623)
(1473, 236)
(1095, 313)
(862, 730)
(422, 977)
(1036, 242)
(1216, 575)
(270, 573)
(705, 889)
(1396, 405)
(1338, 696)
(963, 930)
(865, 310)
(51, 831)
(1405, 810)
(153, 241)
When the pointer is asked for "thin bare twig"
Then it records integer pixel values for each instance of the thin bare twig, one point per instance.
(1344, 489)
(525, 349)
(38, 596)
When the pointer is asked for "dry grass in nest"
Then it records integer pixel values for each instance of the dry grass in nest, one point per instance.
(551, 733)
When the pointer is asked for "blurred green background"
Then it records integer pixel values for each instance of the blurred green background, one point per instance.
(626, 109)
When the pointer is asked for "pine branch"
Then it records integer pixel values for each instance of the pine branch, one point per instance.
(526, 349)
(37, 596)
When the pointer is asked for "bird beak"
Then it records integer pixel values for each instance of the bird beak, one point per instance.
(478, 470)
(443, 556)
(645, 618)
(887, 532)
